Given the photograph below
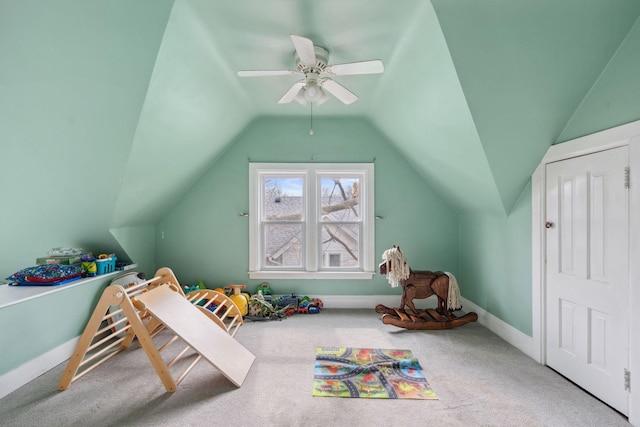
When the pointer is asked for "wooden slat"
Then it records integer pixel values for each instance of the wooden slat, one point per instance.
(112, 295)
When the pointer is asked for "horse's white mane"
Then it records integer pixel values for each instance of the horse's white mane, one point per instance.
(397, 267)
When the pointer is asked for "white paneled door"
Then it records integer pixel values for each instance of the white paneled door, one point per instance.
(587, 301)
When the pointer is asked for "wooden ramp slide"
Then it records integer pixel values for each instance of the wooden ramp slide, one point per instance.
(142, 310)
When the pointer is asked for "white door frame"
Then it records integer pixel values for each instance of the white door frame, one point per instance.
(625, 135)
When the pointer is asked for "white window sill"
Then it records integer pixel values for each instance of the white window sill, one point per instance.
(262, 275)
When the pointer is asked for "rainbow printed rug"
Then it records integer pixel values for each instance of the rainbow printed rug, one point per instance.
(370, 373)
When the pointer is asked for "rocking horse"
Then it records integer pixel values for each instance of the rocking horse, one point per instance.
(420, 285)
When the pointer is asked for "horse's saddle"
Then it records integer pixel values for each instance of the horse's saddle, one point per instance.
(430, 276)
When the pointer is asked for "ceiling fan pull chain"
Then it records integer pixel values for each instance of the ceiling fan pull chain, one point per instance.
(311, 120)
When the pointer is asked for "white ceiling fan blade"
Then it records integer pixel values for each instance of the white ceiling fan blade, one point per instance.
(374, 66)
(305, 50)
(291, 93)
(339, 91)
(265, 73)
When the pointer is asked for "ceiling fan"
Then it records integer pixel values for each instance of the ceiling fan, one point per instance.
(312, 61)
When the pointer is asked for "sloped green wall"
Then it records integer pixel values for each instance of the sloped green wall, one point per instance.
(73, 77)
(495, 262)
(205, 239)
(614, 98)
(524, 67)
(34, 327)
(495, 256)
(73, 80)
(139, 243)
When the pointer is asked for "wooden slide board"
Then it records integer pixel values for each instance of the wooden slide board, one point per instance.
(199, 332)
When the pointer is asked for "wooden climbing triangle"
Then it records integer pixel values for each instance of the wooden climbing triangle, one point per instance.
(143, 310)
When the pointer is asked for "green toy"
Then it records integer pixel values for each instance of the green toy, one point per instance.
(259, 309)
(264, 287)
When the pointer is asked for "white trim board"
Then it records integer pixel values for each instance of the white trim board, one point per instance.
(511, 335)
(13, 380)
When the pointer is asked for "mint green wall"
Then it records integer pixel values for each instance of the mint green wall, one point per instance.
(204, 238)
(33, 327)
(139, 243)
(428, 117)
(495, 250)
(524, 67)
(613, 99)
(73, 79)
(495, 262)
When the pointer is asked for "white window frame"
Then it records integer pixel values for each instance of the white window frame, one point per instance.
(312, 264)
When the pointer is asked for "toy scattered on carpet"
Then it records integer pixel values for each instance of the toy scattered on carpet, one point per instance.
(265, 290)
(282, 307)
(261, 309)
(295, 304)
(192, 288)
(310, 305)
(262, 305)
(420, 285)
(240, 298)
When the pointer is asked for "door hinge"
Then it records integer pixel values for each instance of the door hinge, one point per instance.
(626, 177)
(627, 380)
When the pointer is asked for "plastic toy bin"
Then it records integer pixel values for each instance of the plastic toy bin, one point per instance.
(106, 265)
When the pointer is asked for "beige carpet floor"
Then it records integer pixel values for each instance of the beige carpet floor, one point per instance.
(479, 378)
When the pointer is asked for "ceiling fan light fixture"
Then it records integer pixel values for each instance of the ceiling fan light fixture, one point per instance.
(300, 98)
(312, 92)
(324, 97)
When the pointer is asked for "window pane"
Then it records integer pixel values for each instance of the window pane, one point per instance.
(334, 260)
(283, 245)
(340, 199)
(283, 198)
(340, 245)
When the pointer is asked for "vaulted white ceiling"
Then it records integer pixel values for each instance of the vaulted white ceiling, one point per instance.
(473, 92)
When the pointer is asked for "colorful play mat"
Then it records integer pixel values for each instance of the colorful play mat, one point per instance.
(370, 373)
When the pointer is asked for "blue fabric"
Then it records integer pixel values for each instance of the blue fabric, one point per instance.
(47, 273)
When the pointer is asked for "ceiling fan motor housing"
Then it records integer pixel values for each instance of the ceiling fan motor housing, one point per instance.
(322, 59)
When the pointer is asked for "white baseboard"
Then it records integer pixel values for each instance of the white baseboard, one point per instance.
(32, 369)
(358, 301)
(519, 340)
(513, 336)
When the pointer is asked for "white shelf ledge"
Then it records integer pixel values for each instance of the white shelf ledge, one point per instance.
(10, 295)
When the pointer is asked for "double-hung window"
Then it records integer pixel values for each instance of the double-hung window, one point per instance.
(311, 220)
